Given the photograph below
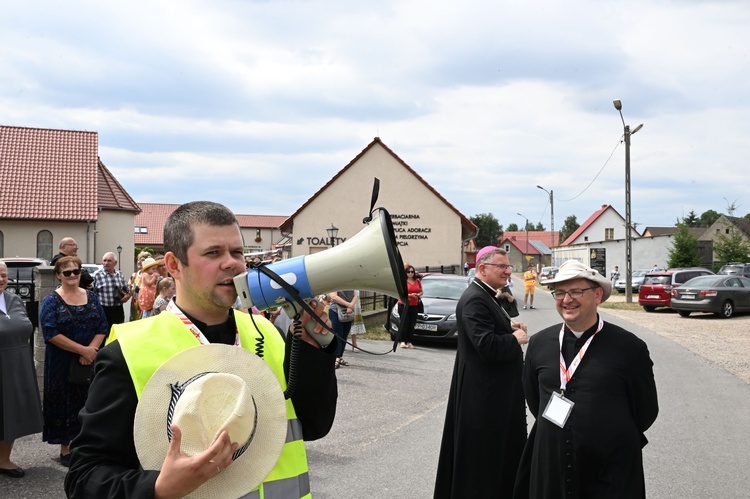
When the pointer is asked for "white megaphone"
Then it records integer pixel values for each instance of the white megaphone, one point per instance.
(369, 260)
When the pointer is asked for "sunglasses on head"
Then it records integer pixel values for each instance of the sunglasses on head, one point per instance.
(68, 273)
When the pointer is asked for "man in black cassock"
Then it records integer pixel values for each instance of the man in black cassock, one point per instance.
(592, 410)
(485, 422)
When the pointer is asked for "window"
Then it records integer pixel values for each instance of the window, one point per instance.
(141, 230)
(44, 245)
(609, 234)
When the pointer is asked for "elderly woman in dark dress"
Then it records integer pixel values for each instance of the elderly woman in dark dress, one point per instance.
(74, 327)
(20, 410)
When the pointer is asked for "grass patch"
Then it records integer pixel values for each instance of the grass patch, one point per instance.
(377, 333)
(621, 305)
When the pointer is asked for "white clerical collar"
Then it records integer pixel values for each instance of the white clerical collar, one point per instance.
(3, 306)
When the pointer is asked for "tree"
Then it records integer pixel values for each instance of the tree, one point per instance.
(569, 227)
(684, 251)
(691, 220)
(732, 247)
(489, 229)
(512, 227)
(708, 218)
(539, 227)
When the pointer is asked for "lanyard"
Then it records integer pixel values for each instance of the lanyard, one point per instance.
(567, 373)
(174, 309)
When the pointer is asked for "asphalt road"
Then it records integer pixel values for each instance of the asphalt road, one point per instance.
(391, 408)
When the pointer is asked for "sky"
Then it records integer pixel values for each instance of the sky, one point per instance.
(257, 104)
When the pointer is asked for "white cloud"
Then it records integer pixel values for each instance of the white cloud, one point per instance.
(485, 99)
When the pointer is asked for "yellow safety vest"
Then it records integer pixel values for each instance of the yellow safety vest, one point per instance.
(146, 344)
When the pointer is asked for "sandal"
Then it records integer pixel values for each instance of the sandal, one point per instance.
(342, 362)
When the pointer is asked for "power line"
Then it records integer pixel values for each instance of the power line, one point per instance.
(619, 141)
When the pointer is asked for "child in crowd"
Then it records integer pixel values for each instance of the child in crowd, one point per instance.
(166, 289)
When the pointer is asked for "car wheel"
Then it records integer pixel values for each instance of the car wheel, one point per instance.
(683, 313)
(727, 310)
(649, 308)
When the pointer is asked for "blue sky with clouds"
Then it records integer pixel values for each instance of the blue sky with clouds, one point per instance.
(257, 104)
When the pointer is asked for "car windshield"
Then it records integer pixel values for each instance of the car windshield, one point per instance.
(639, 273)
(658, 279)
(450, 289)
(704, 281)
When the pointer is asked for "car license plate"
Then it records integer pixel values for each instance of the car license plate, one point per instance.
(652, 297)
(688, 297)
(425, 327)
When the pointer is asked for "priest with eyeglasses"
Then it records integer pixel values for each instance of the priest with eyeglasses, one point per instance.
(590, 386)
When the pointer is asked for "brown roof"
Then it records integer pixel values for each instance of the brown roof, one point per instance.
(55, 175)
(468, 225)
(154, 215)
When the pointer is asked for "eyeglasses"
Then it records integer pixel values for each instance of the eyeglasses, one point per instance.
(410, 272)
(501, 265)
(573, 293)
(68, 273)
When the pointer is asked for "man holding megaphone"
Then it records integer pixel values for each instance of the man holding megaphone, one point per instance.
(204, 252)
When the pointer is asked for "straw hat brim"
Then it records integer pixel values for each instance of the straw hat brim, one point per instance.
(249, 469)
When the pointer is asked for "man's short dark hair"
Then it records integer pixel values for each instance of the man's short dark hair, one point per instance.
(178, 229)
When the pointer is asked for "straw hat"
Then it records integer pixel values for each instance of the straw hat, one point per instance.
(205, 390)
(573, 269)
(148, 263)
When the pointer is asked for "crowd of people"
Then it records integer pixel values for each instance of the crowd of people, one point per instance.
(589, 384)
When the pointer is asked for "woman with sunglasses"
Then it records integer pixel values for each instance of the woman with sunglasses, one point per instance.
(414, 290)
(74, 326)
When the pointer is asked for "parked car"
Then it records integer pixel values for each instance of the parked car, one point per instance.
(92, 267)
(735, 268)
(721, 295)
(21, 281)
(440, 298)
(636, 279)
(472, 272)
(656, 290)
(547, 274)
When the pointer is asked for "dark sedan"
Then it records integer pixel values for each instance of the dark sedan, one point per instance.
(441, 294)
(721, 295)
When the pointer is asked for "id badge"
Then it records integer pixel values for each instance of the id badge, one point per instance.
(558, 409)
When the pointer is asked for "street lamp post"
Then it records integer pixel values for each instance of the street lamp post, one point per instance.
(526, 250)
(551, 216)
(628, 223)
(119, 252)
(333, 231)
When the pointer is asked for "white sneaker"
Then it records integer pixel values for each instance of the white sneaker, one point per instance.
(524, 307)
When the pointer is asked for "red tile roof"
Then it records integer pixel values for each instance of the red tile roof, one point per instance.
(468, 225)
(112, 195)
(544, 236)
(585, 225)
(520, 244)
(154, 215)
(55, 175)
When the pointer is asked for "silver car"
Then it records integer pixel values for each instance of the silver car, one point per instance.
(636, 279)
